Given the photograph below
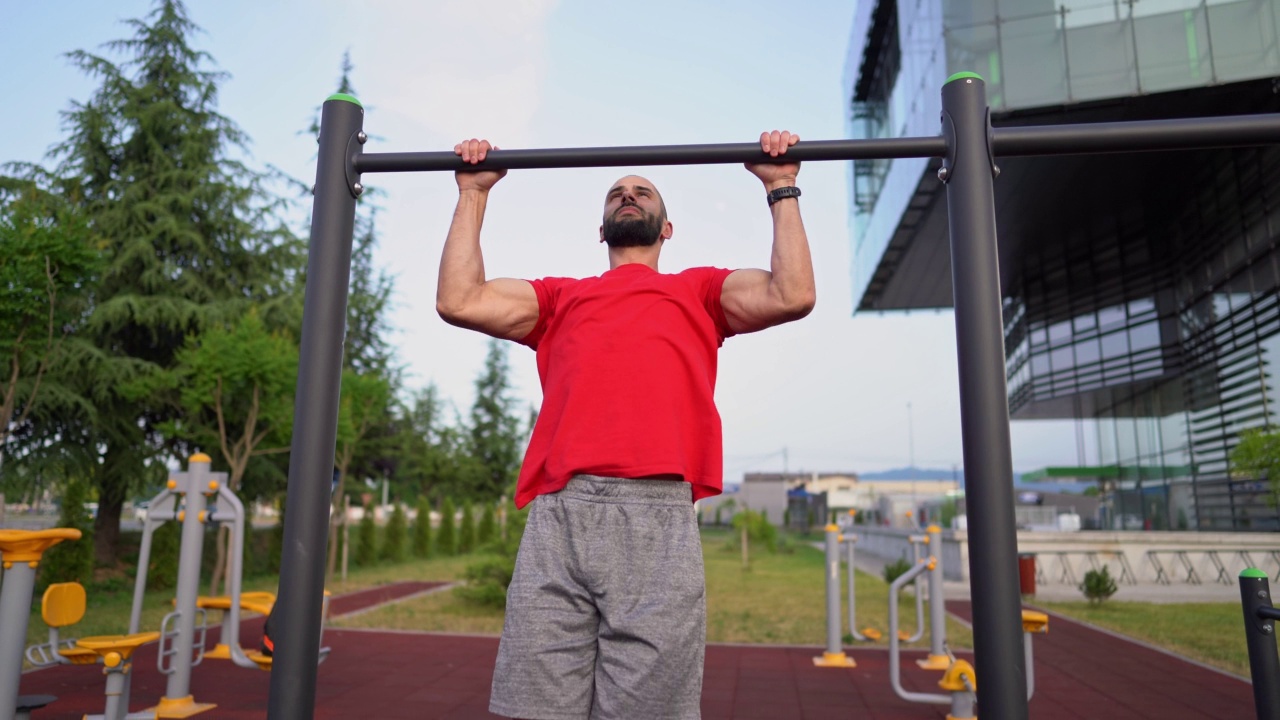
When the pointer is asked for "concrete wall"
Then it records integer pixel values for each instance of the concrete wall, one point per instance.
(1079, 550)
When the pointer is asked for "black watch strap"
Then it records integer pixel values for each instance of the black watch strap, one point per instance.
(788, 191)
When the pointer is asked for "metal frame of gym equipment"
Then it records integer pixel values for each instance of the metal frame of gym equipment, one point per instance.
(195, 498)
(968, 146)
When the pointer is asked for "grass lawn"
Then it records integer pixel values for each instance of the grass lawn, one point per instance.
(779, 599)
(1211, 633)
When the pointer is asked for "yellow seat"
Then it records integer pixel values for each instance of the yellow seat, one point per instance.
(1034, 622)
(263, 661)
(259, 602)
(62, 606)
(115, 649)
(29, 545)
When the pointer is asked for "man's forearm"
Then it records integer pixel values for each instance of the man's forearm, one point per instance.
(462, 263)
(790, 264)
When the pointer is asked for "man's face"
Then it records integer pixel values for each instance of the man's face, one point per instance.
(634, 215)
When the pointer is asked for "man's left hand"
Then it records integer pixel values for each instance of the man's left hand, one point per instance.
(776, 175)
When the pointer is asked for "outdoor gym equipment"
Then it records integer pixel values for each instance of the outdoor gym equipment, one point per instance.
(63, 605)
(916, 541)
(20, 553)
(968, 146)
(868, 634)
(939, 658)
(834, 655)
(1260, 634)
(197, 498)
(959, 678)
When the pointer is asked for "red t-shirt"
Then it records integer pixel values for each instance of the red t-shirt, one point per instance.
(628, 368)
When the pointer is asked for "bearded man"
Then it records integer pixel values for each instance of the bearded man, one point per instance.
(606, 612)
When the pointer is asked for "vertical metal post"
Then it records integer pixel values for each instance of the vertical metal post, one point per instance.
(938, 658)
(178, 687)
(15, 610)
(302, 565)
(968, 171)
(834, 656)
(1259, 632)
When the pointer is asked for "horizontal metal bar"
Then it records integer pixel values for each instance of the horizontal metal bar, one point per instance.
(1137, 136)
(809, 150)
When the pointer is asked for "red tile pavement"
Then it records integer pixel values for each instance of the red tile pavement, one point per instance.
(1081, 673)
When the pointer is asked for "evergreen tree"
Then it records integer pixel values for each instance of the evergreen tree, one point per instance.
(488, 527)
(446, 540)
(71, 560)
(189, 234)
(422, 530)
(367, 540)
(395, 536)
(495, 430)
(467, 533)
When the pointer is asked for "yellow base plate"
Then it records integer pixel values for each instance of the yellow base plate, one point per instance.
(834, 660)
(935, 662)
(180, 708)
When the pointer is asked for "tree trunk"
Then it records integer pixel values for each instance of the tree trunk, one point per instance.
(113, 484)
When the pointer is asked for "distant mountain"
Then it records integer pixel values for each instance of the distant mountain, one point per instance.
(912, 473)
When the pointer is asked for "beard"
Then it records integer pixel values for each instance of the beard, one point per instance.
(640, 231)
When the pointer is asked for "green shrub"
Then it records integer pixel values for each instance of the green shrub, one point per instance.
(488, 527)
(467, 534)
(1098, 585)
(719, 521)
(895, 569)
(446, 540)
(70, 560)
(760, 533)
(487, 580)
(366, 541)
(395, 538)
(162, 567)
(422, 530)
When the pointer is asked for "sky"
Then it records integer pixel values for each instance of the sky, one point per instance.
(835, 392)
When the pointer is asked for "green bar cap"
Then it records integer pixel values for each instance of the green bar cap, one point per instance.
(343, 96)
(960, 75)
(1252, 573)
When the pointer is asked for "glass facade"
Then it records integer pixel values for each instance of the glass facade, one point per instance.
(1149, 306)
(1032, 53)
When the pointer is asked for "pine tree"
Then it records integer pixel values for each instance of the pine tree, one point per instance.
(488, 527)
(395, 536)
(190, 235)
(367, 540)
(495, 430)
(422, 530)
(446, 540)
(467, 534)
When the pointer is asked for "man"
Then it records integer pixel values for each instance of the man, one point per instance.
(606, 614)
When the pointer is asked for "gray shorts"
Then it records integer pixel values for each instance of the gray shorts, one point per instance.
(606, 613)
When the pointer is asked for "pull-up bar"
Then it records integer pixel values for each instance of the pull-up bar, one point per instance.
(968, 146)
(1035, 140)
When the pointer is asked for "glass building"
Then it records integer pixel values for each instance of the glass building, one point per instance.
(1140, 290)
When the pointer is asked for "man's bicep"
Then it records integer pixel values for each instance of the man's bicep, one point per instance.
(507, 308)
(745, 300)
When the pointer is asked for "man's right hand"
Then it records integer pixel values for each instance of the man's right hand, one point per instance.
(472, 152)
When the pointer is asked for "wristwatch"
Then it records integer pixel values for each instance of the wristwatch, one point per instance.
(787, 191)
